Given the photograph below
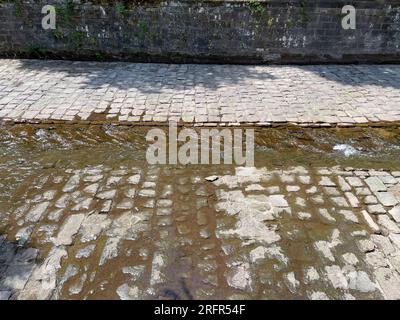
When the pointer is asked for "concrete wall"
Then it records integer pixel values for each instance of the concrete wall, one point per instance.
(203, 31)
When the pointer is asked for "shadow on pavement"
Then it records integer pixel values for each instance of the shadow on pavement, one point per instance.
(16, 266)
(157, 78)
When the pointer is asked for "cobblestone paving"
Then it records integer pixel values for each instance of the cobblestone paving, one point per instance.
(125, 92)
(179, 233)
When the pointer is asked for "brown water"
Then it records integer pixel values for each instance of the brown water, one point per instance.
(31, 156)
(24, 148)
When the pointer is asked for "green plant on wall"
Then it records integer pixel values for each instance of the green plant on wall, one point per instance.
(35, 51)
(17, 8)
(260, 13)
(142, 30)
(303, 12)
(65, 12)
(120, 8)
(57, 34)
(75, 38)
(256, 8)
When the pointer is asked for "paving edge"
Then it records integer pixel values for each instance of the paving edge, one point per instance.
(7, 121)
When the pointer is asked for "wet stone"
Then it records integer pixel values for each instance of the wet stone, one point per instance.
(332, 191)
(370, 200)
(362, 192)
(344, 186)
(69, 230)
(386, 223)
(164, 203)
(183, 229)
(340, 202)
(147, 193)
(383, 243)
(349, 215)
(371, 223)
(94, 178)
(149, 185)
(360, 281)
(324, 248)
(318, 295)
(157, 276)
(395, 238)
(366, 245)
(304, 216)
(304, 179)
(326, 182)
(278, 200)
(166, 192)
(110, 250)
(126, 292)
(164, 211)
(292, 188)
(106, 206)
(311, 275)
(387, 199)
(55, 215)
(134, 272)
(291, 282)
(300, 202)
(63, 201)
(350, 258)
(352, 200)
(36, 213)
(376, 209)
(254, 187)
(354, 181)
(395, 213)
(336, 277)
(376, 259)
(325, 214)
(23, 235)
(106, 195)
(113, 181)
(71, 184)
(83, 204)
(375, 184)
(395, 261)
(70, 272)
(77, 288)
(359, 233)
(85, 252)
(273, 190)
(311, 190)
(125, 204)
(318, 199)
(135, 179)
(205, 234)
(239, 276)
(44, 276)
(91, 189)
(164, 221)
(389, 281)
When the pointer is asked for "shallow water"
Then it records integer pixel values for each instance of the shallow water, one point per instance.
(24, 148)
(194, 266)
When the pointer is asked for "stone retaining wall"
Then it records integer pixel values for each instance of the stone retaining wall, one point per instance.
(203, 31)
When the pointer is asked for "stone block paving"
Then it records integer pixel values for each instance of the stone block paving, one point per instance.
(318, 95)
(179, 233)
